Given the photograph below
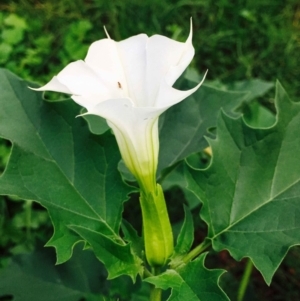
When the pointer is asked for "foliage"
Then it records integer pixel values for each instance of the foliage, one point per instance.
(186, 283)
(234, 40)
(39, 161)
(258, 217)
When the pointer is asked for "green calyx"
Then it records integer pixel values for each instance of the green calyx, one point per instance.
(157, 229)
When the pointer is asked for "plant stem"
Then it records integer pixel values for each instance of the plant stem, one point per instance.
(192, 254)
(155, 293)
(198, 250)
(245, 280)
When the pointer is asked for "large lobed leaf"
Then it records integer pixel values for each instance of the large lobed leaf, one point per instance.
(251, 191)
(192, 282)
(182, 127)
(57, 162)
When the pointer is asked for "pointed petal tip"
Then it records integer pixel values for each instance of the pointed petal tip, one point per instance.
(190, 37)
(108, 36)
(35, 89)
(83, 114)
(202, 81)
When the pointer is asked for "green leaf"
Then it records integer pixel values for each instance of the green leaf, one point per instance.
(117, 258)
(57, 162)
(186, 236)
(258, 116)
(255, 87)
(250, 193)
(14, 20)
(176, 178)
(5, 51)
(131, 235)
(191, 282)
(182, 127)
(35, 277)
(185, 239)
(12, 36)
(97, 125)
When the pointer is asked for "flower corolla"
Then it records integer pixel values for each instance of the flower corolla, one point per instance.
(129, 83)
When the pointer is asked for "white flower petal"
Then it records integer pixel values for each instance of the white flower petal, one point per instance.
(136, 131)
(89, 102)
(119, 111)
(132, 53)
(163, 55)
(129, 83)
(122, 63)
(103, 55)
(80, 79)
(187, 55)
(168, 96)
(54, 85)
(104, 59)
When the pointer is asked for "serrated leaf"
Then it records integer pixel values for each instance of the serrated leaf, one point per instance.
(131, 236)
(57, 162)
(256, 87)
(117, 258)
(191, 282)
(182, 127)
(251, 191)
(258, 116)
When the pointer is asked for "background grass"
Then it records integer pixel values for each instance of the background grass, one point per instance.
(234, 39)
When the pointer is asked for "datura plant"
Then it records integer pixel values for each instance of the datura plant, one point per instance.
(248, 189)
(129, 83)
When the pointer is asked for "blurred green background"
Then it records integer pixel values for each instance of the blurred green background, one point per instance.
(234, 39)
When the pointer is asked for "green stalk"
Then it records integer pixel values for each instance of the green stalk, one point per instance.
(245, 280)
(155, 293)
(193, 253)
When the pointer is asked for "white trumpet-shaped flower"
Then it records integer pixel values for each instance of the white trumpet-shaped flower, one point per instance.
(129, 83)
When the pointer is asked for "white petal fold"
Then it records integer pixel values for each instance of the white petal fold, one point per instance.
(168, 96)
(54, 85)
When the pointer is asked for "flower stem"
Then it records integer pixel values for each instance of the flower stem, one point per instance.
(155, 293)
(245, 280)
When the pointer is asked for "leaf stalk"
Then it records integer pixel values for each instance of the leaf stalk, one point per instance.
(197, 251)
